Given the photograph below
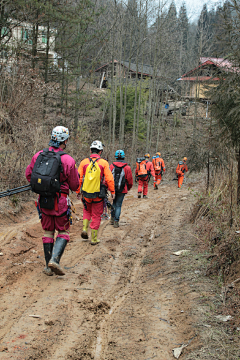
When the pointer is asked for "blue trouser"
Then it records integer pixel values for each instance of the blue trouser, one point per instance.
(117, 204)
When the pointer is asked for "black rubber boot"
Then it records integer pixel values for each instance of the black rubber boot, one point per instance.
(48, 254)
(58, 250)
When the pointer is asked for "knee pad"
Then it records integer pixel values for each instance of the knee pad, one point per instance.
(49, 234)
(63, 233)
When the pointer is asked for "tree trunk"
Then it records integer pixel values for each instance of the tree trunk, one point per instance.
(46, 69)
(238, 181)
(208, 172)
(34, 42)
(135, 111)
(47, 53)
(231, 194)
(114, 89)
(77, 105)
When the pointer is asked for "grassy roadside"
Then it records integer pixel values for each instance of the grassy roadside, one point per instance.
(211, 269)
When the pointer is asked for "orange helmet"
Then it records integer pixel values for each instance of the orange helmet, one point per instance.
(147, 155)
(184, 159)
(158, 153)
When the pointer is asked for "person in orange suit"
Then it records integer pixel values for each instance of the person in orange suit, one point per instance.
(159, 167)
(143, 180)
(180, 171)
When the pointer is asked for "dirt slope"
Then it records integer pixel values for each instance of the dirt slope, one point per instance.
(123, 299)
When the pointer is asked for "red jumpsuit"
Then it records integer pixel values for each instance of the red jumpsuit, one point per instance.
(158, 173)
(143, 181)
(57, 218)
(180, 170)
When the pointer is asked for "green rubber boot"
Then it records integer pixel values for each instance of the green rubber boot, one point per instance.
(94, 240)
(84, 233)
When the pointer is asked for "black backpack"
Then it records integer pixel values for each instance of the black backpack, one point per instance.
(119, 178)
(45, 178)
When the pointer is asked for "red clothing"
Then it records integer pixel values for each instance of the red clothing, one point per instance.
(150, 168)
(52, 219)
(143, 184)
(94, 211)
(69, 177)
(128, 174)
(52, 223)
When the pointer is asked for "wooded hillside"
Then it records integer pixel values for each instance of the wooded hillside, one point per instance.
(49, 53)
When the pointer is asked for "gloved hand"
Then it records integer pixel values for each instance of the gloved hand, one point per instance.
(79, 196)
(113, 196)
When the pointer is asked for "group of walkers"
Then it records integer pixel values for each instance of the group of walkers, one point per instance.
(52, 173)
(145, 169)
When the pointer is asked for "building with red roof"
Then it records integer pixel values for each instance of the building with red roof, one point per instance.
(206, 75)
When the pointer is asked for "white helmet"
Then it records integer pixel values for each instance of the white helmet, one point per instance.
(97, 145)
(60, 133)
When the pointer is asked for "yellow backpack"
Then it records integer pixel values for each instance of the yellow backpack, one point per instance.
(92, 180)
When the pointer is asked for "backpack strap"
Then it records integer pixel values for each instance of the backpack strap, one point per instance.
(91, 160)
(61, 153)
(93, 164)
(56, 152)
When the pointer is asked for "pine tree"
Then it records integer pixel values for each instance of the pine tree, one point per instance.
(183, 27)
(203, 35)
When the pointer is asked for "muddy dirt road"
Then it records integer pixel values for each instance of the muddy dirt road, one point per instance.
(123, 299)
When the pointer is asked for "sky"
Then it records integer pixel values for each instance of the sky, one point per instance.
(194, 7)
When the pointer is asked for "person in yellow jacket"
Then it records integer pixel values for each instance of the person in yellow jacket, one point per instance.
(93, 202)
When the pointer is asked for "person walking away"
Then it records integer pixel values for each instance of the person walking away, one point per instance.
(95, 176)
(180, 171)
(123, 183)
(47, 167)
(144, 169)
(159, 167)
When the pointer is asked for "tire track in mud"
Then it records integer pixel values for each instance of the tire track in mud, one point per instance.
(120, 297)
(104, 286)
(102, 345)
